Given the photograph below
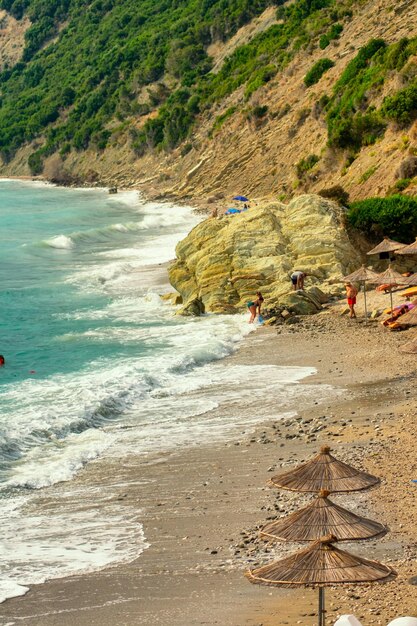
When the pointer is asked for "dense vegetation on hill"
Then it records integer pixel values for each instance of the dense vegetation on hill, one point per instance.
(67, 89)
(94, 69)
(351, 118)
(394, 216)
(86, 66)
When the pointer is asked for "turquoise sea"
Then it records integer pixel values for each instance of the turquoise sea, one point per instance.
(98, 365)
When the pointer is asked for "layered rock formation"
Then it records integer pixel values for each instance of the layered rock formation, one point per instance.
(223, 262)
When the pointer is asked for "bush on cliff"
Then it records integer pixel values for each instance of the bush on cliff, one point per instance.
(394, 216)
(333, 33)
(352, 120)
(316, 72)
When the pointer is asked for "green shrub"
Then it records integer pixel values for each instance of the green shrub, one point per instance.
(402, 184)
(334, 33)
(261, 77)
(306, 164)
(35, 163)
(369, 172)
(186, 149)
(260, 111)
(336, 193)
(316, 72)
(401, 107)
(220, 119)
(394, 216)
(324, 41)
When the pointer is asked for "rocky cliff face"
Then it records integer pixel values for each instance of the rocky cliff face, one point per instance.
(223, 262)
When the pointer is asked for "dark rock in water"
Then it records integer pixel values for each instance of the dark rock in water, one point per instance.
(112, 189)
(194, 308)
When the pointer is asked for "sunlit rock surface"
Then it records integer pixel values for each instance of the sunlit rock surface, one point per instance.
(223, 262)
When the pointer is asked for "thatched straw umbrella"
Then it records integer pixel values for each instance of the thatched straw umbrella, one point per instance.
(324, 472)
(386, 246)
(320, 518)
(410, 281)
(408, 319)
(391, 278)
(362, 275)
(320, 565)
(410, 249)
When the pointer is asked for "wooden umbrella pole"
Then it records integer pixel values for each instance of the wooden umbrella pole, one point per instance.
(390, 295)
(364, 296)
(321, 607)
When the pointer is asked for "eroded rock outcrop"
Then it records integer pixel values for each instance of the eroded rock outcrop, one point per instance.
(223, 262)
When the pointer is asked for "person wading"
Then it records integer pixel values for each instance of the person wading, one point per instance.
(254, 306)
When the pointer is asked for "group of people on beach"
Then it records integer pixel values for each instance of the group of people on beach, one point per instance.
(254, 306)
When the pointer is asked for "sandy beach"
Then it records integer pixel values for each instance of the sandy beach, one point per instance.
(201, 507)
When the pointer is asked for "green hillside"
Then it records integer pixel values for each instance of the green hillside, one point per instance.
(91, 70)
(85, 63)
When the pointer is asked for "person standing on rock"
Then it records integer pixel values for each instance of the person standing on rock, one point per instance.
(351, 293)
(297, 279)
(254, 306)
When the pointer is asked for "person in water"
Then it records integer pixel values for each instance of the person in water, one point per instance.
(351, 293)
(2, 360)
(254, 306)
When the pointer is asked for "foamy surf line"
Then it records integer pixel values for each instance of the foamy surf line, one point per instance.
(82, 532)
(73, 536)
(60, 423)
(155, 382)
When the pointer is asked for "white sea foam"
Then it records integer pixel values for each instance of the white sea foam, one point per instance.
(59, 460)
(173, 391)
(11, 589)
(76, 531)
(62, 242)
(160, 226)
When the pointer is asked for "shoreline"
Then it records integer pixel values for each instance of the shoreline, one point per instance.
(200, 506)
(197, 205)
(194, 503)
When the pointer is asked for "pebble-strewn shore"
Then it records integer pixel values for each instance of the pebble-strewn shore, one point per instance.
(202, 507)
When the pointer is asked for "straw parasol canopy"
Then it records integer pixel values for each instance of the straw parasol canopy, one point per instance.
(409, 319)
(321, 564)
(324, 472)
(391, 278)
(411, 281)
(361, 275)
(322, 517)
(410, 249)
(386, 245)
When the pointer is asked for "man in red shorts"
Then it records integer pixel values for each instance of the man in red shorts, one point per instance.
(351, 293)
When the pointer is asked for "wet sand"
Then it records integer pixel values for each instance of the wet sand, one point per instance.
(201, 507)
